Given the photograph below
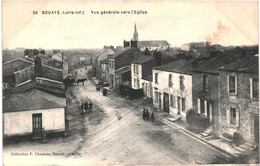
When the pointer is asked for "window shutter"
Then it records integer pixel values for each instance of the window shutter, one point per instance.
(237, 117)
(198, 106)
(228, 115)
(251, 88)
(235, 85)
(228, 84)
(206, 107)
(174, 101)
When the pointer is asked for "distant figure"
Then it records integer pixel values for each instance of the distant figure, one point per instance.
(86, 106)
(144, 114)
(44, 135)
(104, 92)
(147, 114)
(152, 117)
(98, 89)
(82, 107)
(90, 106)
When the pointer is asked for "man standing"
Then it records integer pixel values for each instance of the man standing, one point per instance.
(152, 117)
(82, 107)
(144, 113)
(86, 106)
(90, 106)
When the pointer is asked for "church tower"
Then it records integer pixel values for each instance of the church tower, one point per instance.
(135, 36)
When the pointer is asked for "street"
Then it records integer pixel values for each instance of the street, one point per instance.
(114, 133)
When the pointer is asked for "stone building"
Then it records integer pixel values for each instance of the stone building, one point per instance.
(172, 87)
(122, 77)
(239, 98)
(120, 59)
(206, 87)
(102, 55)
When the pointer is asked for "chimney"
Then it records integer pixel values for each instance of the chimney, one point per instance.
(133, 43)
(62, 59)
(38, 67)
(126, 44)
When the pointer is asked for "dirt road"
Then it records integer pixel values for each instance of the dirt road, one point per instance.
(114, 133)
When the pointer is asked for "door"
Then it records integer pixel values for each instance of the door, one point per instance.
(37, 124)
(166, 102)
(160, 101)
(179, 105)
(256, 129)
(208, 110)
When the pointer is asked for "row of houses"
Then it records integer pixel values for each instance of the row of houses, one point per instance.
(223, 89)
(34, 96)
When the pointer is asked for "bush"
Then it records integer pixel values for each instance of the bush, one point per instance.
(196, 121)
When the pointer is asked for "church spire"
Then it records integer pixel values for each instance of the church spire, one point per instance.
(135, 36)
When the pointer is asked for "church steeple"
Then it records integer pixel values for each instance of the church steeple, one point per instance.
(135, 36)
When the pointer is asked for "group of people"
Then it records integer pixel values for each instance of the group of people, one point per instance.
(146, 114)
(85, 106)
(104, 91)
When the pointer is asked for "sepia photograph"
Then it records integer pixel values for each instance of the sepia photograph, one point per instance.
(130, 83)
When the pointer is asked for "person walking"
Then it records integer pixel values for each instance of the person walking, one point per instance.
(44, 135)
(152, 117)
(90, 106)
(144, 113)
(82, 107)
(147, 114)
(86, 106)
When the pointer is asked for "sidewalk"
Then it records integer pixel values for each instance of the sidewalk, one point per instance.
(220, 144)
(242, 152)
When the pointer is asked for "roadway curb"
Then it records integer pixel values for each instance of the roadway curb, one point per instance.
(192, 135)
(185, 131)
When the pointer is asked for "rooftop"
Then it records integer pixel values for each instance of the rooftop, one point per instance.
(143, 59)
(148, 77)
(32, 99)
(45, 57)
(105, 61)
(128, 51)
(102, 51)
(153, 43)
(19, 63)
(213, 65)
(249, 64)
(180, 66)
(123, 70)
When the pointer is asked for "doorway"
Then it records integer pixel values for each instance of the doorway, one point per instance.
(166, 102)
(37, 124)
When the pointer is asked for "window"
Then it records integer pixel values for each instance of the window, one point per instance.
(205, 82)
(182, 83)
(172, 98)
(232, 84)
(254, 88)
(156, 78)
(75, 73)
(183, 105)
(170, 80)
(156, 96)
(137, 83)
(202, 110)
(232, 116)
(134, 82)
(136, 69)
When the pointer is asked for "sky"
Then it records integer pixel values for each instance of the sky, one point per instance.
(225, 23)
